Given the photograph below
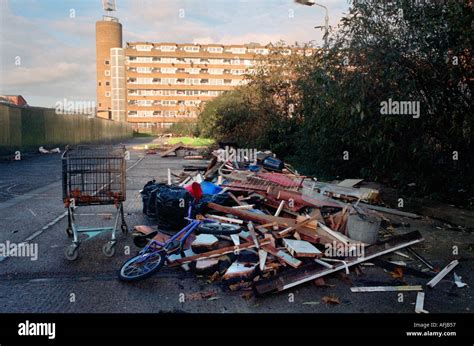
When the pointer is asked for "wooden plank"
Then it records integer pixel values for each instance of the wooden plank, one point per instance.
(350, 182)
(420, 301)
(339, 236)
(244, 207)
(288, 259)
(262, 257)
(391, 211)
(387, 288)
(280, 207)
(433, 282)
(225, 219)
(250, 216)
(253, 234)
(297, 226)
(301, 248)
(311, 272)
(172, 149)
(217, 253)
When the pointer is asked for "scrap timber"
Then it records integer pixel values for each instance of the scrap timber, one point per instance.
(287, 225)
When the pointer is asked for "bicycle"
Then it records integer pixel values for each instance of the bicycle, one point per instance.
(154, 255)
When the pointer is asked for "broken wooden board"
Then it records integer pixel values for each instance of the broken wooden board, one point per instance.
(350, 182)
(433, 282)
(347, 193)
(207, 266)
(172, 149)
(217, 253)
(283, 256)
(301, 248)
(338, 236)
(387, 288)
(390, 211)
(297, 226)
(420, 301)
(239, 270)
(251, 216)
(204, 243)
(224, 219)
(310, 272)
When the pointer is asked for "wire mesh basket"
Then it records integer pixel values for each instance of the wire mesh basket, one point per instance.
(94, 175)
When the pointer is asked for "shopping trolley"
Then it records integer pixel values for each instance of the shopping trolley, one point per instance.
(93, 175)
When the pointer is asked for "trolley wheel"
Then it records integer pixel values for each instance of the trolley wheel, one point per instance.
(109, 249)
(71, 252)
(69, 232)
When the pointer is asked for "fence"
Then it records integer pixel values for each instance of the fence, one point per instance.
(29, 128)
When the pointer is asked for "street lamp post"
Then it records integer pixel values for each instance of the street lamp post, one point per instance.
(326, 18)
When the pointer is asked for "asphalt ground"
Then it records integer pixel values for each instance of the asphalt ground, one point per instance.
(31, 209)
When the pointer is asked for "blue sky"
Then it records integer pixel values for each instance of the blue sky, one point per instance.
(47, 47)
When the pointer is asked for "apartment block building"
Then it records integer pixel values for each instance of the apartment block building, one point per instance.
(171, 82)
(153, 85)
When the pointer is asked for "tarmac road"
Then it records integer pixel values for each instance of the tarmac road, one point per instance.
(31, 210)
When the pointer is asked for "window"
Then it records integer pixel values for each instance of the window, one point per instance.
(107, 72)
(168, 70)
(191, 49)
(107, 94)
(145, 113)
(215, 49)
(192, 81)
(192, 70)
(216, 81)
(168, 48)
(144, 48)
(143, 69)
(168, 80)
(100, 83)
(261, 51)
(144, 103)
(238, 50)
(107, 62)
(142, 59)
(144, 80)
(216, 71)
(168, 60)
(107, 83)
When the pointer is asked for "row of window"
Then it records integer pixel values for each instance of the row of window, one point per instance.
(186, 81)
(149, 59)
(191, 70)
(153, 92)
(164, 113)
(149, 103)
(195, 49)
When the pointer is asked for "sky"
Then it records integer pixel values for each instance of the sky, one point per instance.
(47, 47)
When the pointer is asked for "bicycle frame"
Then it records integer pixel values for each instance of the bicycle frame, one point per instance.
(187, 230)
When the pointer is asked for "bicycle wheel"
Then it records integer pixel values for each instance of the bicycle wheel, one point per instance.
(140, 267)
(218, 228)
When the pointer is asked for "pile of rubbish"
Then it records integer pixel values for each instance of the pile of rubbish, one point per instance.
(295, 229)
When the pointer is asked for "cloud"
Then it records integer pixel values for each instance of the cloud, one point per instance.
(57, 52)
